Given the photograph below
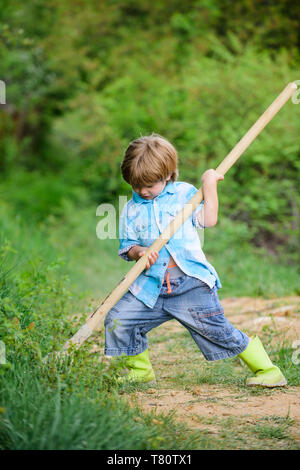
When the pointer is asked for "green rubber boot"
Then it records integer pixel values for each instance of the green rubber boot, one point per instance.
(140, 369)
(266, 374)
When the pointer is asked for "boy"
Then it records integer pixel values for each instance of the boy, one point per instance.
(178, 282)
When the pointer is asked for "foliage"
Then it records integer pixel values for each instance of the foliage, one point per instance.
(209, 74)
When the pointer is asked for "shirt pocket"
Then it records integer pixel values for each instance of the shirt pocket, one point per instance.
(167, 216)
(142, 229)
(183, 233)
(144, 233)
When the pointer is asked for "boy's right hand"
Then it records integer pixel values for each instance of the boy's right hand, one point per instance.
(136, 252)
(152, 258)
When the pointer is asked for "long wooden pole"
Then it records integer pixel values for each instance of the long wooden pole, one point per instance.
(95, 318)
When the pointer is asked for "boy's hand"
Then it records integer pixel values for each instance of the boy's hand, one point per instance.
(137, 251)
(211, 176)
(152, 258)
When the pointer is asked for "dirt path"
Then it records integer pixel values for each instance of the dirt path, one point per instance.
(222, 409)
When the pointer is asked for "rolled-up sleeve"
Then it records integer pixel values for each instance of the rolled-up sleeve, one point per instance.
(127, 236)
(196, 216)
(196, 213)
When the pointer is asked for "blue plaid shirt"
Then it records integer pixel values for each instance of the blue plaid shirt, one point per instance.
(141, 223)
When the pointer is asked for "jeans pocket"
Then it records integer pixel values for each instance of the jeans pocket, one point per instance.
(206, 286)
(213, 326)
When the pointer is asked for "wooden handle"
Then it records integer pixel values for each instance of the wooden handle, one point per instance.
(95, 318)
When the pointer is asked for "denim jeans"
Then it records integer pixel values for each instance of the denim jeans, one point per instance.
(192, 302)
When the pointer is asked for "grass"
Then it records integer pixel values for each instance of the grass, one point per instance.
(242, 434)
(44, 415)
(259, 435)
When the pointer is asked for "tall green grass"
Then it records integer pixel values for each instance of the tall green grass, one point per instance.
(42, 415)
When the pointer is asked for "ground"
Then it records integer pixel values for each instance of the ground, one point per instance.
(211, 397)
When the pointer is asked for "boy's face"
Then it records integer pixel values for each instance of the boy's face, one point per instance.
(151, 191)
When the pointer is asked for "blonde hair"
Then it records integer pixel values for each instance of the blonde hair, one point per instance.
(148, 160)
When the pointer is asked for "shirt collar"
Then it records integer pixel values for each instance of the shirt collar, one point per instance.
(169, 188)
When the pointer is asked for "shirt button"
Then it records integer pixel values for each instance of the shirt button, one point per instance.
(165, 264)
